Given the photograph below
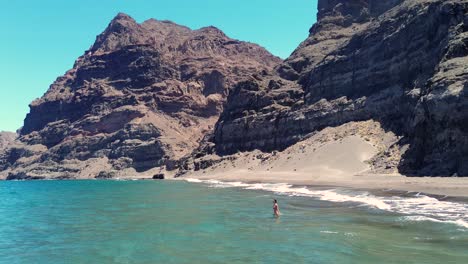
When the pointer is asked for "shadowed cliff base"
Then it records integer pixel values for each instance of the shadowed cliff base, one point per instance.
(359, 155)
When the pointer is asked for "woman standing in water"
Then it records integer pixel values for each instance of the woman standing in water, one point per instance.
(276, 211)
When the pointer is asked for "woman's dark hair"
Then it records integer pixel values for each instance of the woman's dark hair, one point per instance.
(275, 200)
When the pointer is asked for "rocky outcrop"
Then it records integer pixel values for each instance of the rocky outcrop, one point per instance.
(401, 63)
(141, 97)
(6, 138)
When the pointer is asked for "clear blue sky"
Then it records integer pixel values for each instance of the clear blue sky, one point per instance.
(40, 39)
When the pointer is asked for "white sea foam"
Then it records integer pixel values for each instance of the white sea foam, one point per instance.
(459, 222)
(220, 184)
(417, 208)
(192, 180)
(328, 232)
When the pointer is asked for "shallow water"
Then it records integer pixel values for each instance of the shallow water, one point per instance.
(214, 222)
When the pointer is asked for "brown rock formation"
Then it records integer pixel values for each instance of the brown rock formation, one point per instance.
(401, 63)
(145, 94)
(141, 97)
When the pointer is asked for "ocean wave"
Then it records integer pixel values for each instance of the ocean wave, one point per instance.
(459, 222)
(192, 180)
(328, 232)
(416, 208)
(327, 195)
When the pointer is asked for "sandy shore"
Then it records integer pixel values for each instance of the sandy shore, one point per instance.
(455, 187)
(334, 157)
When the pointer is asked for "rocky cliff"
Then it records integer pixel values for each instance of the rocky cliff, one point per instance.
(400, 63)
(140, 98)
(144, 95)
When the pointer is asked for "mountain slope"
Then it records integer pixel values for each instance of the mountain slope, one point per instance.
(140, 98)
(399, 63)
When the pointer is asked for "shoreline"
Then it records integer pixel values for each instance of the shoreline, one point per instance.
(355, 155)
(349, 156)
(452, 187)
(437, 186)
(445, 187)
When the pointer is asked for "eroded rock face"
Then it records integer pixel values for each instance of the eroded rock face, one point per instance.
(401, 63)
(142, 96)
(6, 138)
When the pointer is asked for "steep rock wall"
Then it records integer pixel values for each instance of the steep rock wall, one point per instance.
(402, 63)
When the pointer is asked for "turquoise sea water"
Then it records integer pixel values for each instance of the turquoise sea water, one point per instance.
(213, 222)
